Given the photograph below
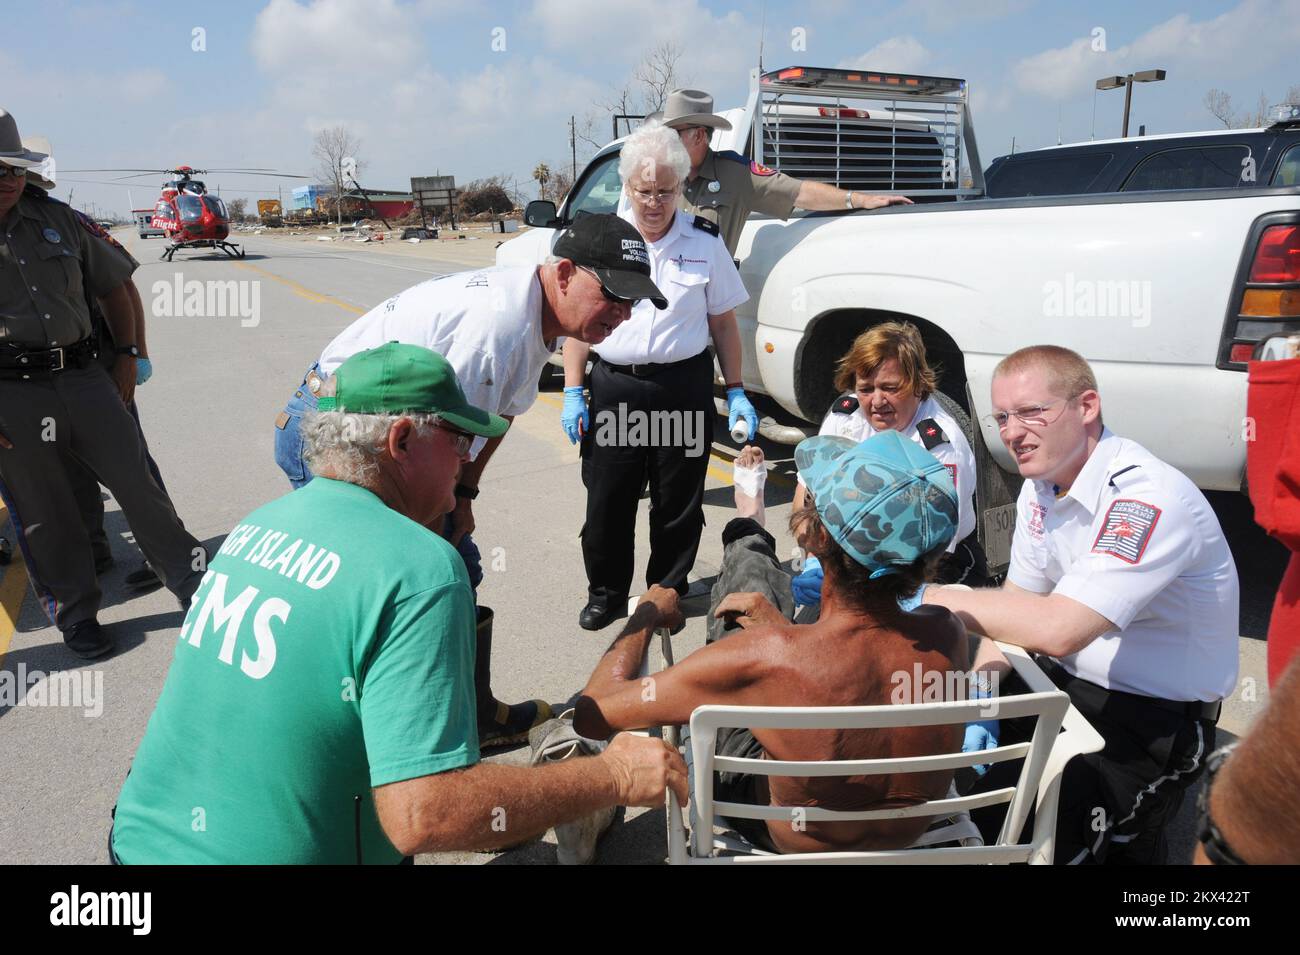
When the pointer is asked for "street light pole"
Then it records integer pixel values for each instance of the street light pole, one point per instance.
(1115, 82)
(1128, 102)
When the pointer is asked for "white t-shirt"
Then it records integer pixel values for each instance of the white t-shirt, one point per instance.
(698, 277)
(1136, 541)
(955, 453)
(487, 324)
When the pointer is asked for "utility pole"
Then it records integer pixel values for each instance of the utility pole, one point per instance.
(573, 145)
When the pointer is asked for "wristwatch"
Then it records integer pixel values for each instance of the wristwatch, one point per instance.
(128, 350)
(848, 200)
(1211, 839)
(467, 492)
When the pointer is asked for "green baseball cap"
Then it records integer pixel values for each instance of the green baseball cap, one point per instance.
(397, 378)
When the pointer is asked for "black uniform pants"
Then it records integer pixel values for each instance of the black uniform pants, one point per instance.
(77, 413)
(1114, 804)
(660, 426)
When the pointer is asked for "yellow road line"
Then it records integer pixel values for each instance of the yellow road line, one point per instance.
(302, 291)
(13, 588)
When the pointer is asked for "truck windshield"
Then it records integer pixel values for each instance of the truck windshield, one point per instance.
(1017, 176)
(599, 189)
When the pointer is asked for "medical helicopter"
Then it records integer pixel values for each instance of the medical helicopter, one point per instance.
(189, 215)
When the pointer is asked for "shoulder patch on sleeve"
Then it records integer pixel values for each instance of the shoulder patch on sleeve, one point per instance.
(758, 169)
(1126, 530)
(704, 225)
(931, 434)
(845, 404)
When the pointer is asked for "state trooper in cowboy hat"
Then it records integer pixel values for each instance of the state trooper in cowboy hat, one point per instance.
(724, 187)
(58, 402)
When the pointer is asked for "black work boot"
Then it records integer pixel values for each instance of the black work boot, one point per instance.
(499, 724)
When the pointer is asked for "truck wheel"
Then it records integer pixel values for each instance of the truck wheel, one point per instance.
(996, 490)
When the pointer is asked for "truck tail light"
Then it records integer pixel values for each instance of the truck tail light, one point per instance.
(1266, 300)
(1277, 257)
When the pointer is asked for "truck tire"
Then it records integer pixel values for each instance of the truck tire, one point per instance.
(995, 490)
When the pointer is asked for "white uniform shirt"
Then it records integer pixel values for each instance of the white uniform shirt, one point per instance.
(487, 324)
(1136, 541)
(698, 277)
(955, 453)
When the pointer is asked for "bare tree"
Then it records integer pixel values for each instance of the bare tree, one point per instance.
(656, 75)
(1219, 104)
(644, 92)
(561, 183)
(238, 209)
(331, 147)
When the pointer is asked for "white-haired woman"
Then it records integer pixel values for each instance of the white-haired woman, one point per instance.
(651, 386)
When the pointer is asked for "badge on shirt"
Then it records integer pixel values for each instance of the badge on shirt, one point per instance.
(931, 434)
(758, 169)
(952, 471)
(714, 186)
(1126, 530)
(52, 236)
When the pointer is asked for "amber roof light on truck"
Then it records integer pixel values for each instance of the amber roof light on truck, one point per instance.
(864, 81)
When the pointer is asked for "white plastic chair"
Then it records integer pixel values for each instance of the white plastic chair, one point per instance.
(1060, 734)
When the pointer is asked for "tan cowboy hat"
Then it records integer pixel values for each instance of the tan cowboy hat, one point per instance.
(36, 175)
(12, 150)
(691, 108)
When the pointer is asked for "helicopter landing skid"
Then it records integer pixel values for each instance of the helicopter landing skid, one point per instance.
(232, 250)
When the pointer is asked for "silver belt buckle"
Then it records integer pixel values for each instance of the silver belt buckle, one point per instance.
(58, 353)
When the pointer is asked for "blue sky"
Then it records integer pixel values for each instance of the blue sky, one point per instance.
(430, 86)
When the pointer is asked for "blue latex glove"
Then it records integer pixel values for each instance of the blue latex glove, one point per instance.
(911, 603)
(574, 417)
(807, 585)
(738, 407)
(981, 735)
(143, 370)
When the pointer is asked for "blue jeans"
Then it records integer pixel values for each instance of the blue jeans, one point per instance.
(288, 454)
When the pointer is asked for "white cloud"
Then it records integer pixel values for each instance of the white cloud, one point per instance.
(1185, 47)
(898, 54)
(335, 34)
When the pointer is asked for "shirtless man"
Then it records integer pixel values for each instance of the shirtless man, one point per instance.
(882, 513)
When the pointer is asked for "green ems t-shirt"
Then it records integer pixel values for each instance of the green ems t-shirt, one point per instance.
(329, 649)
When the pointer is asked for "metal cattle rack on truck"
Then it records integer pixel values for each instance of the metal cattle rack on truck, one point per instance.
(867, 130)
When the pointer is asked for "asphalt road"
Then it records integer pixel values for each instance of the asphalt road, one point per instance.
(208, 415)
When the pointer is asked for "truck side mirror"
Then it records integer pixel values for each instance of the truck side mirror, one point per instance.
(541, 212)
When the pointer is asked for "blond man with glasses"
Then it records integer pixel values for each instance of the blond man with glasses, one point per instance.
(1122, 581)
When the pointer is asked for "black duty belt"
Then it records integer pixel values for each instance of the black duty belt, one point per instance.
(648, 369)
(20, 361)
(1194, 710)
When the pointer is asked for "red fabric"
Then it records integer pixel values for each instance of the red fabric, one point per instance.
(1273, 472)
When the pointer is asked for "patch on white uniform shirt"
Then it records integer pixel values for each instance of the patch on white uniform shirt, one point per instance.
(1126, 530)
(952, 471)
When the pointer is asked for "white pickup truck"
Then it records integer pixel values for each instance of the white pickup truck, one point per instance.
(1101, 247)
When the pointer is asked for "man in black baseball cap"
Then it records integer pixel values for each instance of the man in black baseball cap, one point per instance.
(614, 251)
(496, 327)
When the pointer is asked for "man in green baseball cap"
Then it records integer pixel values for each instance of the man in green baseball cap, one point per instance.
(323, 689)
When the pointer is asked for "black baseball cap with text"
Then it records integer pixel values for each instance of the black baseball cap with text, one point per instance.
(613, 249)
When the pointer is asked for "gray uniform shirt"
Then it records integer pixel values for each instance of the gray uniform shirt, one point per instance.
(728, 186)
(47, 264)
